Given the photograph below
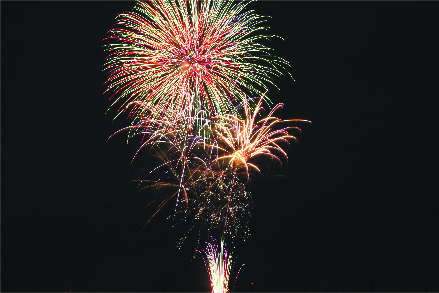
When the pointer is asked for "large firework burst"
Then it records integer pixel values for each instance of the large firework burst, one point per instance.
(171, 59)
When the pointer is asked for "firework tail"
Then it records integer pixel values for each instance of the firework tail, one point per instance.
(219, 263)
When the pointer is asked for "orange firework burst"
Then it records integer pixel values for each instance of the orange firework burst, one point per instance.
(243, 139)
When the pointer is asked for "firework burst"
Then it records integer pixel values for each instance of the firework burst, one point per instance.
(241, 139)
(171, 59)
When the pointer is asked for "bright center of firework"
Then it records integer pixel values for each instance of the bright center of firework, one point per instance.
(184, 66)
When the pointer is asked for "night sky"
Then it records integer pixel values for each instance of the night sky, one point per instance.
(355, 210)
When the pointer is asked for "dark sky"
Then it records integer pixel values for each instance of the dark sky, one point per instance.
(356, 212)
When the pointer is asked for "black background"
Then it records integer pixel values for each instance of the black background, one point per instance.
(357, 210)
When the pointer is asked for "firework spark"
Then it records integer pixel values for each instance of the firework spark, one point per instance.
(174, 58)
(219, 265)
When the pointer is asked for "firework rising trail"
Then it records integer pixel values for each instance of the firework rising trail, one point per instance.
(219, 264)
(173, 58)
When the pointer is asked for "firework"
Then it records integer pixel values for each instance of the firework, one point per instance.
(183, 71)
(243, 139)
(171, 59)
(204, 192)
(209, 178)
(219, 265)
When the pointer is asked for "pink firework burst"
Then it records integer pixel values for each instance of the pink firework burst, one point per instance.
(171, 59)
